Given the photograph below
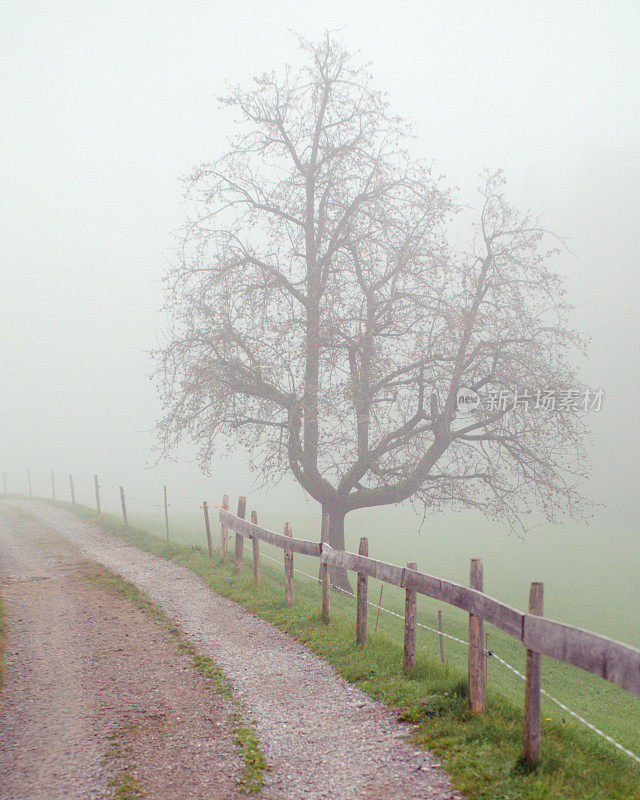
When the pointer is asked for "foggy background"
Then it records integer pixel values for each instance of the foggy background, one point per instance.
(106, 105)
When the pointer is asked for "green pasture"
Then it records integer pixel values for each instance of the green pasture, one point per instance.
(591, 578)
(480, 752)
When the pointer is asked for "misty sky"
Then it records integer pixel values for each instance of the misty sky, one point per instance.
(106, 105)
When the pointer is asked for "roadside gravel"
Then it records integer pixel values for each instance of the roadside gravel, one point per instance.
(324, 738)
(97, 699)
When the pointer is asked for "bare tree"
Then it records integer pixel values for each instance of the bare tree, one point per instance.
(321, 319)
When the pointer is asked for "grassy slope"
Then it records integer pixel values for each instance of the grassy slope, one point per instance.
(480, 753)
(568, 598)
(582, 566)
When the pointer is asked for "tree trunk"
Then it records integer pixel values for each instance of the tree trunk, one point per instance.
(337, 575)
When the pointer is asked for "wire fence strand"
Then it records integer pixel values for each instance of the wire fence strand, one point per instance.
(490, 654)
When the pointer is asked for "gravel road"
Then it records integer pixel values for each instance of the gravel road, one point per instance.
(96, 697)
(323, 737)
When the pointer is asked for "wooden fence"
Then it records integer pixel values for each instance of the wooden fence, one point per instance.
(616, 662)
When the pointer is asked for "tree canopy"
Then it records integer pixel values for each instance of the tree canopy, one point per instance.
(322, 318)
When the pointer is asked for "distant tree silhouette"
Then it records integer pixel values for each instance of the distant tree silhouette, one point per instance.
(321, 319)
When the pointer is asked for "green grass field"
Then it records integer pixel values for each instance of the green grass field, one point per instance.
(591, 577)
(591, 573)
(480, 752)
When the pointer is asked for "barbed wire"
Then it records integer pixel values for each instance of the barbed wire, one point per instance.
(569, 711)
(128, 497)
(490, 654)
(160, 506)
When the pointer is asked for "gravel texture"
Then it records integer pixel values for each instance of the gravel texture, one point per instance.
(323, 737)
(95, 690)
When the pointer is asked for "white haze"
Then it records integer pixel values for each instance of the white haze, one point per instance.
(106, 105)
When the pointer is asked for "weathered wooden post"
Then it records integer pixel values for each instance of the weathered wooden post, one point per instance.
(207, 527)
(223, 531)
(124, 508)
(326, 588)
(53, 485)
(379, 607)
(29, 481)
(532, 687)
(325, 574)
(237, 561)
(95, 478)
(410, 613)
(477, 686)
(166, 514)
(256, 551)
(361, 592)
(73, 493)
(324, 538)
(486, 659)
(288, 568)
(440, 628)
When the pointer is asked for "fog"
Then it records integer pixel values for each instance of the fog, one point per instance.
(106, 105)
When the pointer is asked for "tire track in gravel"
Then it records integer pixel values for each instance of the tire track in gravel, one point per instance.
(96, 696)
(324, 738)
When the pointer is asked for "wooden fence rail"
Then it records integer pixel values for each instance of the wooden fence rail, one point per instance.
(616, 662)
(613, 661)
(243, 527)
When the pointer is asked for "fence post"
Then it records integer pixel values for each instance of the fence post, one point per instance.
(29, 480)
(410, 610)
(379, 606)
(53, 485)
(486, 658)
(532, 687)
(326, 585)
(256, 551)
(207, 527)
(288, 568)
(324, 539)
(237, 561)
(95, 478)
(440, 628)
(124, 508)
(223, 531)
(325, 575)
(166, 514)
(361, 613)
(477, 686)
(73, 493)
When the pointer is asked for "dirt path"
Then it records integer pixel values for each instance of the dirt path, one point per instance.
(97, 699)
(323, 737)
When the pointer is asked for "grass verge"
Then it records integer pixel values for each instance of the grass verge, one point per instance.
(124, 786)
(480, 753)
